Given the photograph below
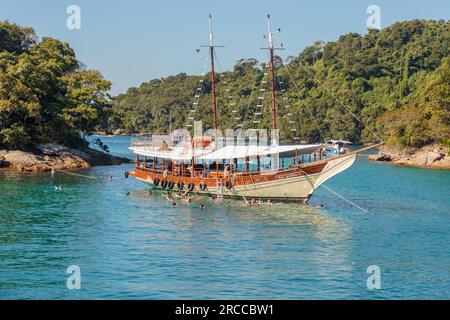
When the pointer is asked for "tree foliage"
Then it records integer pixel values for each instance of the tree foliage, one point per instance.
(44, 96)
(395, 80)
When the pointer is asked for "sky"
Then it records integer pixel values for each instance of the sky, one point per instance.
(134, 41)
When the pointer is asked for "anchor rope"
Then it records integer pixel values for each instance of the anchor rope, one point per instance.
(332, 191)
(76, 174)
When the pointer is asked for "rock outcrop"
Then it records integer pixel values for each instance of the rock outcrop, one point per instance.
(432, 156)
(46, 157)
(380, 157)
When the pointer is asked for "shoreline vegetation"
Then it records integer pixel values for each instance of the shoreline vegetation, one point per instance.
(49, 101)
(396, 80)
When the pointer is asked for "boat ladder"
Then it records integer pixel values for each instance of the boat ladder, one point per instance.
(219, 188)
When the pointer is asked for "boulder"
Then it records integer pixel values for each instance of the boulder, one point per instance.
(3, 162)
(48, 156)
(380, 157)
(426, 158)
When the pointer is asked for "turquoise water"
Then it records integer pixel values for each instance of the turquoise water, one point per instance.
(141, 247)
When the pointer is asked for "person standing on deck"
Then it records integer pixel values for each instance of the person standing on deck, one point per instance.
(226, 173)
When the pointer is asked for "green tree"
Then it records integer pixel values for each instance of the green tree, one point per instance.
(44, 96)
(86, 103)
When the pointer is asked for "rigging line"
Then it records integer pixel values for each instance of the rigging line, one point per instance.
(339, 101)
(284, 97)
(202, 62)
(201, 86)
(249, 99)
(309, 110)
(343, 198)
(76, 174)
(262, 102)
(219, 74)
(332, 191)
(281, 105)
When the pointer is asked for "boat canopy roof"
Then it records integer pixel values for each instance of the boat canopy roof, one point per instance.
(173, 153)
(241, 152)
(228, 152)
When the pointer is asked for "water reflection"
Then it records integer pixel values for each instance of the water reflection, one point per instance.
(230, 239)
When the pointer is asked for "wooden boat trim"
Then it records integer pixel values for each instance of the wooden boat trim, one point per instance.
(305, 165)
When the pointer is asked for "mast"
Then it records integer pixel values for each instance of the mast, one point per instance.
(213, 81)
(211, 47)
(272, 76)
(272, 49)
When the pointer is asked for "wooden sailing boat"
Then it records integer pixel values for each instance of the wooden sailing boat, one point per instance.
(267, 171)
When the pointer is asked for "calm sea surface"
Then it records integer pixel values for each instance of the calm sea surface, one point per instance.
(140, 247)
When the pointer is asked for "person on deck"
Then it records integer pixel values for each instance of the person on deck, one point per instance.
(226, 173)
(191, 171)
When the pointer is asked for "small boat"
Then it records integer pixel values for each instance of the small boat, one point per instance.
(337, 147)
(239, 168)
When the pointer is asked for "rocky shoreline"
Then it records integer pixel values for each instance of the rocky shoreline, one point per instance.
(429, 157)
(48, 156)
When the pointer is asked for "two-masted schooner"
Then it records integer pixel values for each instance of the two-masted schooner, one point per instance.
(237, 168)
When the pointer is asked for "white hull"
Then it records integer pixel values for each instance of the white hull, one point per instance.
(287, 189)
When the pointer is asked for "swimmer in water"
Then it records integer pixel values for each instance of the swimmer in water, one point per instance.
(186, 199)
(127, 194)
(150, 192)
(169, 197)
(174, 204)
(269, 202)
(110, 178)
(202, 206)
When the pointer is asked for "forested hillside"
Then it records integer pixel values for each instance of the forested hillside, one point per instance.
(396, 80)
(46, 95)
